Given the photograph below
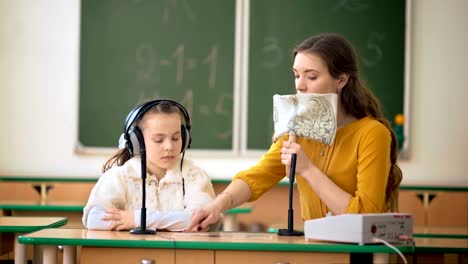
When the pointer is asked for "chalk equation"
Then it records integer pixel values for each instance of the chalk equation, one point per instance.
(149, 64)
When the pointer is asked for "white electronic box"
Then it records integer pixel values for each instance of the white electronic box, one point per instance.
(360, 228)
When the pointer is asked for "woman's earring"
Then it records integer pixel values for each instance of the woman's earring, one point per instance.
(339, 89)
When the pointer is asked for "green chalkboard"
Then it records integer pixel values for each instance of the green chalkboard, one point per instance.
(134, 50)
(185, 50)
(375, 27)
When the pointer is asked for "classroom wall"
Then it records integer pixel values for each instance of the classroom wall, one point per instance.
(39, 64)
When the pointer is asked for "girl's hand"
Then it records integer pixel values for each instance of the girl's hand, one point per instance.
(121, 220)
(303, 162)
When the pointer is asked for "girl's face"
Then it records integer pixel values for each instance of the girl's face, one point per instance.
(311, 75)
(163, 141)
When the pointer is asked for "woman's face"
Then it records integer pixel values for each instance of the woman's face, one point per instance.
(311, 75)
(163, 140)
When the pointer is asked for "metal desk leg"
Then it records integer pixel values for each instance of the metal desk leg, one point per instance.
(50, 254)
(43, 189)
(426, 199)
(230, 223)
(20, 251)
(37, 258)
(69, 254)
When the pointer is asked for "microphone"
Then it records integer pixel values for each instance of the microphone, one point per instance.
(292, 138)
(290, 231)
(143, 230)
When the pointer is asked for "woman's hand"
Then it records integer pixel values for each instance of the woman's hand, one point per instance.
(303, 162)
(203, 218)
(121, 219)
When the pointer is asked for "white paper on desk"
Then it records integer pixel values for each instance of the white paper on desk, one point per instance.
(230, 235)
(306, 115)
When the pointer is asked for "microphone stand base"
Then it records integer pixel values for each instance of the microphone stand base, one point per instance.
(138, 231)
(286, 232)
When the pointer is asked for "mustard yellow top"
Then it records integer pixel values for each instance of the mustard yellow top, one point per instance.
(358, 162)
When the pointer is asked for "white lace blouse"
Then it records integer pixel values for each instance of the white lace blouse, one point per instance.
(167, 207)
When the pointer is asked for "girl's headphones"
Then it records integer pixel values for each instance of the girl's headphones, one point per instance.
(132, 133)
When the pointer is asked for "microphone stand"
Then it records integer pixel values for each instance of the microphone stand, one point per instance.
(143, 230)
(290, 231)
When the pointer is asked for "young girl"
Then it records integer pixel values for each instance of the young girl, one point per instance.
(175, 187)
(358, 173)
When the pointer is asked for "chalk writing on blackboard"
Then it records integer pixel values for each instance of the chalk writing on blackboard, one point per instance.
(220, 109)
(212, 61)
(373, 44)
(149, 64)
(354, 6)
(272, 52)
(146, 61)
(171, 8)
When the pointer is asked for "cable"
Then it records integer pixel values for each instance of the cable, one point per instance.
(379, 240)
(407, 239)
(410, 240)
(173, 244)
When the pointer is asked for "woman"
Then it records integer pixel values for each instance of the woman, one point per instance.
(358, 173)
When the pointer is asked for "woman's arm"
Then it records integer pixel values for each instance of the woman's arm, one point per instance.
(336, 199)
(246, 186)
(237, 193)
(372, 172)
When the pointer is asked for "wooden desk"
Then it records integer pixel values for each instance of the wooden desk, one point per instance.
(44, 184)
(22, 225)
(74, 212)
(185, 248)
(440, 250)
(426, 193)
(440, 232)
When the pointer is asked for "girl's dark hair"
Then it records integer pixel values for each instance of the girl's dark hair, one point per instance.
(357, 100)
(122, 155)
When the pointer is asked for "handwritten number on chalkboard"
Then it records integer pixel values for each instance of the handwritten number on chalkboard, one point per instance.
(187, 101)
(212, 61)
(179, 56)
(373, 44)
(172, 6)
(146, 61)
(272, 52)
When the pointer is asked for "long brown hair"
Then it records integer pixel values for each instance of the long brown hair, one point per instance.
(122, 155)
(356, 98)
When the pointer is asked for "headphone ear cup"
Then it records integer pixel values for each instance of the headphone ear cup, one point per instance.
(186, 140)
(135, 141)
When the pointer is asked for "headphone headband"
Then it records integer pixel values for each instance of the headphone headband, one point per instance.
(136, 113)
